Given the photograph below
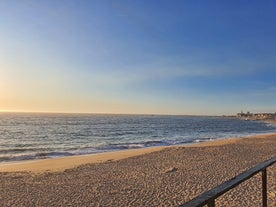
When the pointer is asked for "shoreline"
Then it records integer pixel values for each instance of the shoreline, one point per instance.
(60, 164)
(168, 176)
(15, 153)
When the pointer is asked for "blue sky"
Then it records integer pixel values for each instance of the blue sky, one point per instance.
(160, 57)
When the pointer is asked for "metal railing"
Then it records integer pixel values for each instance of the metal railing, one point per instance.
(208, 198)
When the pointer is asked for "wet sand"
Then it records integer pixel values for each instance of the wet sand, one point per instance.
(164, 176)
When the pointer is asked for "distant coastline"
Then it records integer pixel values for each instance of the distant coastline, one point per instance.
(266, 117)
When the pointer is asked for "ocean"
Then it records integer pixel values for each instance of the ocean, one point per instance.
(27, 136)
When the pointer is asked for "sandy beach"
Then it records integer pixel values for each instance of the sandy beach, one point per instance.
(160, 176)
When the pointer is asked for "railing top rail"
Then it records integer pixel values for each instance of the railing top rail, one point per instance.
(206, 197)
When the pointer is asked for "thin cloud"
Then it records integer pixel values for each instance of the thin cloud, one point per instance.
(167, 69)
(266, 92)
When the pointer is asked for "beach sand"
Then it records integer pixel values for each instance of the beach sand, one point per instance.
(161, 176)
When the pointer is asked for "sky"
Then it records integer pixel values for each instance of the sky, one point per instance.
(138, 57)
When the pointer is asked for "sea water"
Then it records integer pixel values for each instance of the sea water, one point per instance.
(25, 136)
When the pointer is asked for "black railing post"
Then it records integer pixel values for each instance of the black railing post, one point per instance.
(264, 184)
(211, 203)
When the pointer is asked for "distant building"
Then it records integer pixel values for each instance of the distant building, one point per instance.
(245, 115)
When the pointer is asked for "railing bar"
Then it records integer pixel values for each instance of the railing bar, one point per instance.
(212, 194)
(264, 184)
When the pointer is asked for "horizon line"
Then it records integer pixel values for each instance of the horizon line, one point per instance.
(108, 113)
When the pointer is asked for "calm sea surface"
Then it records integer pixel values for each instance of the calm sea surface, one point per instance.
(35, 136)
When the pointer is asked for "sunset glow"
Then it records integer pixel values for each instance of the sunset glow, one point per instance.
(154, 57)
